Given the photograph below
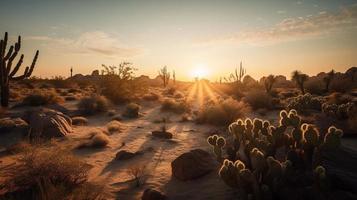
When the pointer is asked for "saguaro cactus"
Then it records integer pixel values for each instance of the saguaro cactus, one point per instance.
(165, 75)
(7, 73)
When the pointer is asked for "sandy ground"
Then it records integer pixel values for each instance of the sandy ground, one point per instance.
(158, 153)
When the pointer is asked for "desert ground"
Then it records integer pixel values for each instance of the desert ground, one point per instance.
(116, 141)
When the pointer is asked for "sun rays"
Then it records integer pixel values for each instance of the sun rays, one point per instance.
(201, 92)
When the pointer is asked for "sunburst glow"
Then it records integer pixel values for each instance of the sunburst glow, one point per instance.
(200, 71)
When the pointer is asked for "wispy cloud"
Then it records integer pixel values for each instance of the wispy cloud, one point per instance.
(97, 43)
(289, 29)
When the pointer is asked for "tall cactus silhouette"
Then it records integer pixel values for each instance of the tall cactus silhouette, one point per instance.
(7, 73)
(164, 75)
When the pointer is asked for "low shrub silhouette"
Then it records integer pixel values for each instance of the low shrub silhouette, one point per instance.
(93, 104)
(176, 106)
(132, 110)
(222, 113)
(259, 99)
(42, 97)
(97, 139)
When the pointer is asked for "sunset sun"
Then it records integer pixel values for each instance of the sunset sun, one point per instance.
(200, 71)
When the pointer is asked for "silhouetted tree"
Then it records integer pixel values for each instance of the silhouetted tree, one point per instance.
(328, 79)
(269, 82)
(299, 78)
(7, 73)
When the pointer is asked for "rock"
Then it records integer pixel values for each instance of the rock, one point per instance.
(161, 134)
(192, 165)
(151, 194)
(125, 155)
(79, 120)
(48, 123)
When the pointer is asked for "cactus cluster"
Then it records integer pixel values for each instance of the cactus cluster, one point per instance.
(342, 111)
(306, 101)
(264, 158)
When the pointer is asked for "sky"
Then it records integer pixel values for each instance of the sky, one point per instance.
(209, 37)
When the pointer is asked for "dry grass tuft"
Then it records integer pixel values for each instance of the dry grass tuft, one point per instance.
(176, 106)
(93, 104)
(258, 99)
(48, 172)
(41, 97)
(223, 113)
(132, 110)
(97, 139)
(114, 126)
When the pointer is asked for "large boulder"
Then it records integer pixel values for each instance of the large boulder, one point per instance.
(151, 194)
(192, 165)
(47, 123)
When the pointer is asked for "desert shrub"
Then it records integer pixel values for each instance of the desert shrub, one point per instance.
(14, 95)
(258, 99)
(223, 112)
(40, 98)
(315, 86)
(43, 172)
(176, 106)
(338, 98)
(120, 91)
(131, 110)
(61, 82)
(97, 139)
(138, 173)
(288, 94)
(151, 97)
(170, 91)
(340, 84)
(79, 120)
(342, 111)
(93, 104)
(8, 124)
(179, 95)
(305, 102)
(114, 126)
(252, 167)
(70, 98)
(73, 90)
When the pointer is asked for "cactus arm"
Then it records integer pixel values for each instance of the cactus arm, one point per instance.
(9, 53)
(17, 67)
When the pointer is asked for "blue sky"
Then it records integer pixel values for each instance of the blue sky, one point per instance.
(269, 36)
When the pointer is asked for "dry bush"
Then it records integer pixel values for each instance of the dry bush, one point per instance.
(70, 98)
(223, 113)
(45, 172)
(15, 96)
(120, 91)
(41, 97)
(179, 95)
(170, 91)
(340, 84)
(176, 106)
(258, 99)
(315, 86)
(79, 120)
(138, 173)
(8, 124)
(132, 110)
(97, 139)
(338, 98)
(61, 82)
(93, 104)
(114, 126)
(151, 97)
